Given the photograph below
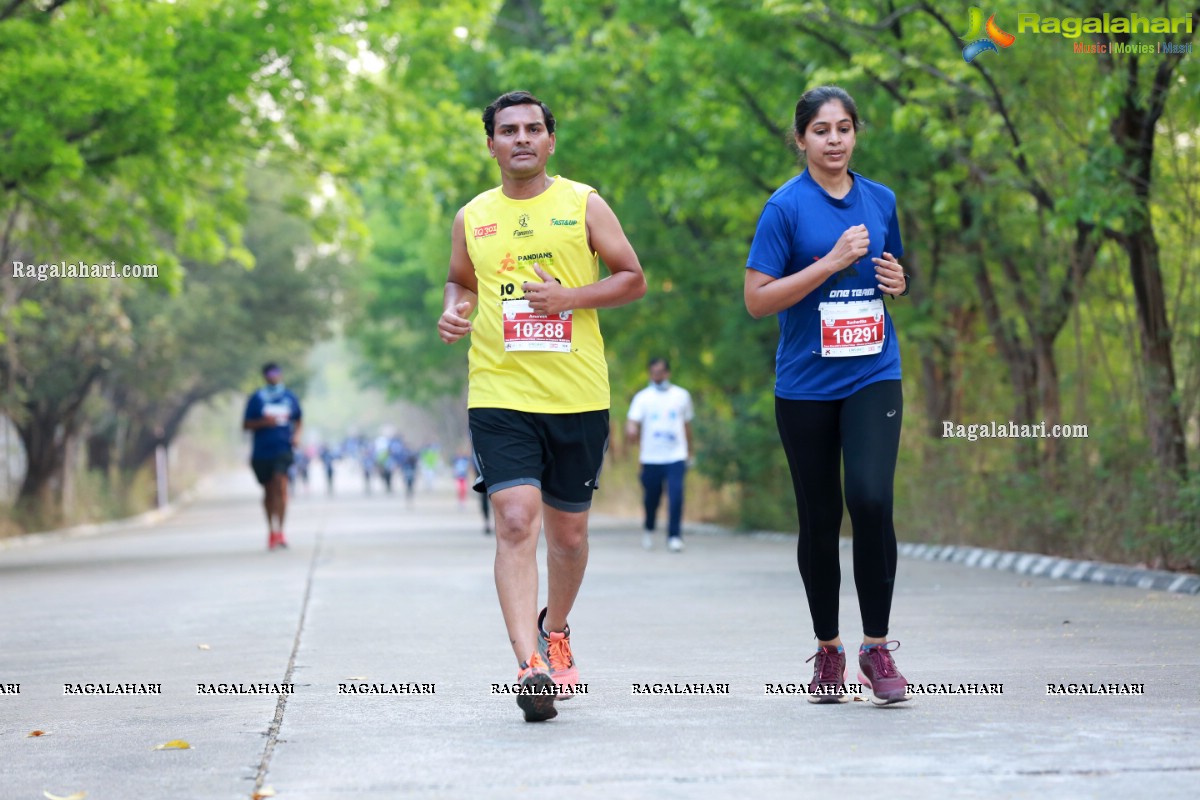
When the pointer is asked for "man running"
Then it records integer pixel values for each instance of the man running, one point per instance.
(660, 419)
(274, 414)
(525, 255)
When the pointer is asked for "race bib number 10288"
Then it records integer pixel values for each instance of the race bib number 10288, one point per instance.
(526, 329)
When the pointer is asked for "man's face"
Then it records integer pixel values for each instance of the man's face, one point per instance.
(659, 373)
(273, 376)
(521, 144)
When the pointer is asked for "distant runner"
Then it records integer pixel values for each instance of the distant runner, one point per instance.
(660, 420)
(274, 414)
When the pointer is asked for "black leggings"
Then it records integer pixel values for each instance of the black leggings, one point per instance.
(816, 434)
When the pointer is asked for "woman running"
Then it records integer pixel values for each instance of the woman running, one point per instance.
(824, 255)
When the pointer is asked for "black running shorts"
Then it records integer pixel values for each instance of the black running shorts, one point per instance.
(559, 453)
(267, 468)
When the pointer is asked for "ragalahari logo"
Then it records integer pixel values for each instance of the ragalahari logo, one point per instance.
(980, 38)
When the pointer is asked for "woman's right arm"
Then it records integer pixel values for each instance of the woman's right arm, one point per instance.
(765, 294)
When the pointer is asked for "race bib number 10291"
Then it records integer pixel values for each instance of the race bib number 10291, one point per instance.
(526, 329)
(852, 329)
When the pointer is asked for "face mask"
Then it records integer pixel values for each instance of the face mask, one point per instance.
(662, 386)
(274, 392)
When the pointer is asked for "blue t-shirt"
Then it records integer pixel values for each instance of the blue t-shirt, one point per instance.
(276, 440)
(800, 225)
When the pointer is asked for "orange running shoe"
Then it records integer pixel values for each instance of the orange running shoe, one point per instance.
(537, 690)
(555, 649)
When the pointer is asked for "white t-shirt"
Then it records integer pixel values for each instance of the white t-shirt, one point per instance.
(662, 414)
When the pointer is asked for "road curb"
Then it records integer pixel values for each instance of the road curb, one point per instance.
(1032, 564)
(1038, 565)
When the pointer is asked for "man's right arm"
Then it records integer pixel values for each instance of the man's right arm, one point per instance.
(253, 419)
(633, 422)
(633, 432)
(460, 296)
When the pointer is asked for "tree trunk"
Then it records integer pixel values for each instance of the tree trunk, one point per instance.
(1050, 401)
(38, 502)
(44, 429)
(1022, 366)
(1163, 421)
(143, 438)
(1133, 130)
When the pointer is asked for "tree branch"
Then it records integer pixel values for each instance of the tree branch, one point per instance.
(1035, 187)
(887, 86)
(11, 9)
(757, 110)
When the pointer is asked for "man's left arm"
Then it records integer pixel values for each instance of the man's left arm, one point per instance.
(299, 423)
(625, 283)
(689, 412)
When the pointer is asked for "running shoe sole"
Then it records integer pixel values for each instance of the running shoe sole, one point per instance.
(829, 699)
(822, 699)
(537, 698)
(895, 696)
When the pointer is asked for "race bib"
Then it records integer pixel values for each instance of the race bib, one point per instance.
(852, 329)
(281, 410)
(526, 329)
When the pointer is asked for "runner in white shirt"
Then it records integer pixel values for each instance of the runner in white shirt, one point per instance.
(660, 417)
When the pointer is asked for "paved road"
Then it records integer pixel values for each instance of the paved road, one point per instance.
(373, 592)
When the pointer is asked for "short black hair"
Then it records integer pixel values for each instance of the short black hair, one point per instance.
(659, 360)
(516, 98)
(267, 367)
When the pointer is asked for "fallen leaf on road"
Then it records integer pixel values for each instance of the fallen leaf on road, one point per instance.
(35, 733)
(76, 796)
(174, 744)
(204, 647)
(266, 791)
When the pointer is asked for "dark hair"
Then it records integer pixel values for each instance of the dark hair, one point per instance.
(267, 367)
(659, 360)
(509, 99)
(811, 101)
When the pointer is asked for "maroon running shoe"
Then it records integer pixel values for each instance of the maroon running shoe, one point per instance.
(877, 670)
(829, 676)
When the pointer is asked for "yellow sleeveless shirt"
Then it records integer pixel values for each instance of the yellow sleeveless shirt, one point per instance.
(519, 360)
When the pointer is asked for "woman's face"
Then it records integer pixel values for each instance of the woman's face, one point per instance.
(828, 141)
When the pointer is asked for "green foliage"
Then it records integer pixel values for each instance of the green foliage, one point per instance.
(1008, 176)
(128, 133)
(134, 131)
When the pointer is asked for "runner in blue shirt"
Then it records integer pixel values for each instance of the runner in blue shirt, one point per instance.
(824, 255)
(274, 414)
